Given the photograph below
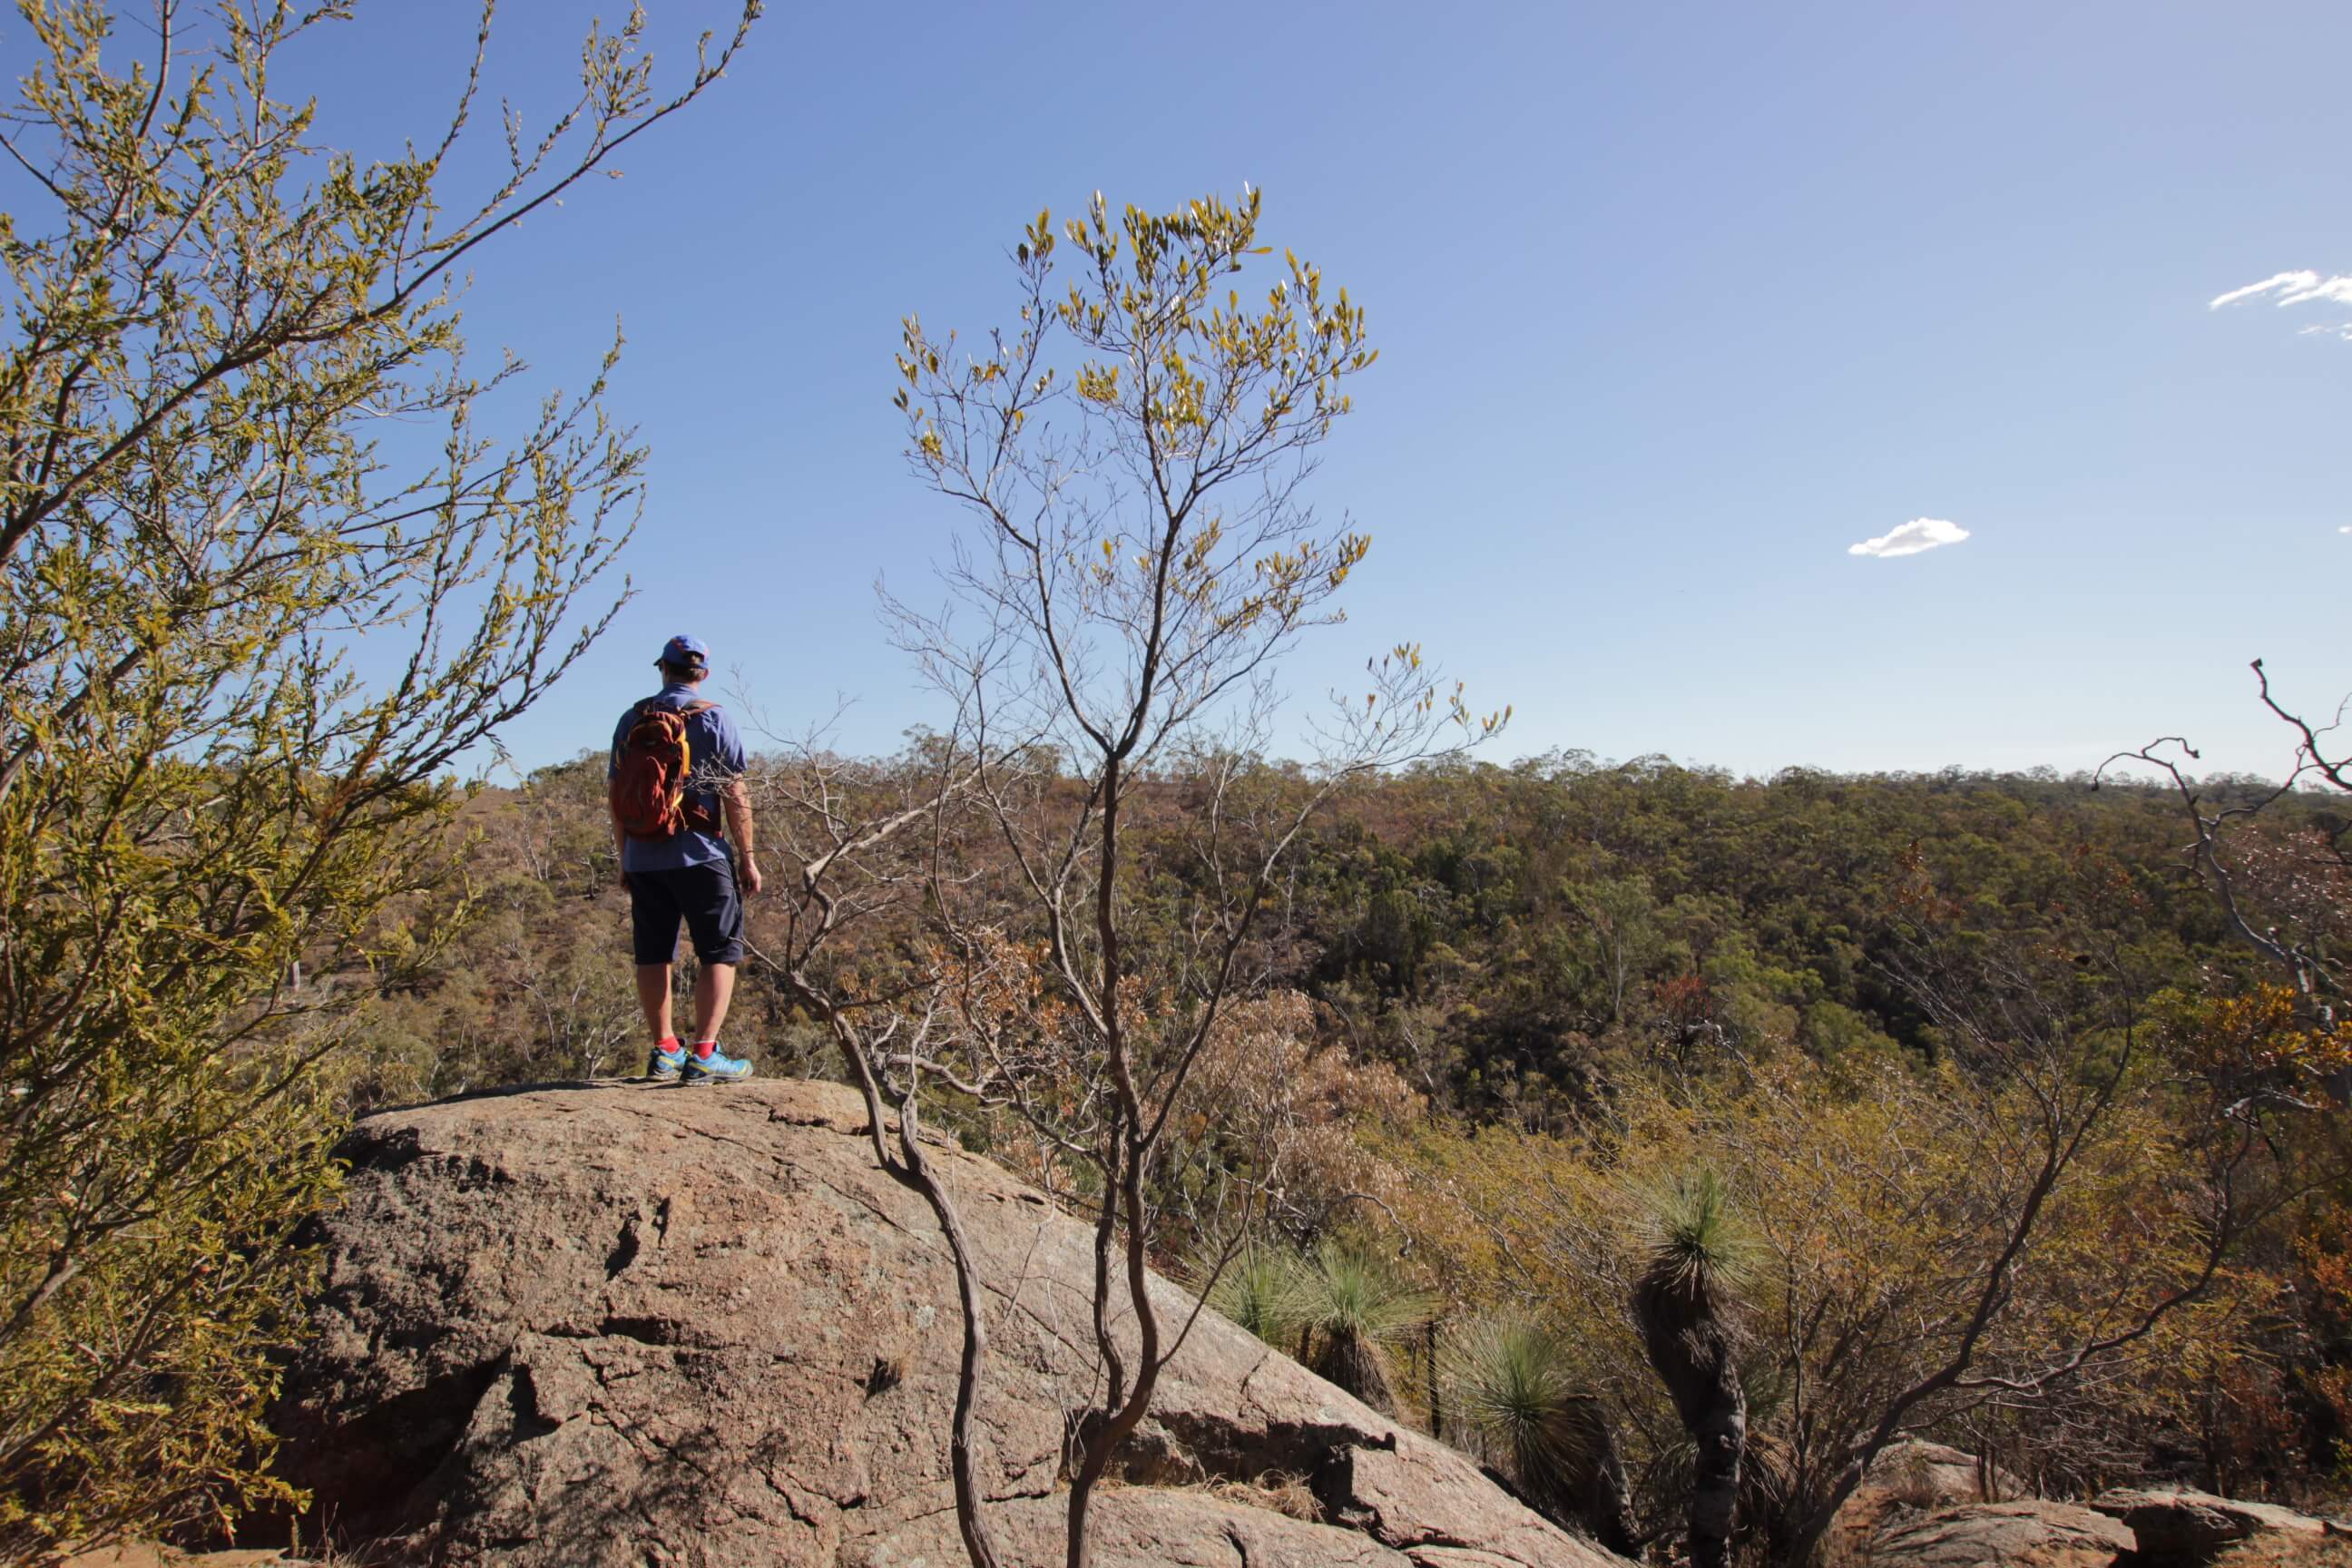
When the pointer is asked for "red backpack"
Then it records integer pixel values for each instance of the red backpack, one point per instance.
(649, 789)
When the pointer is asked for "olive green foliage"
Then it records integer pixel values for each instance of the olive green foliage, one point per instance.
(214, 811)
(1442, 917)
(1520, 938)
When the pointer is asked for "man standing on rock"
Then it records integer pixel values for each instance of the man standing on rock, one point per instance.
(678, 798)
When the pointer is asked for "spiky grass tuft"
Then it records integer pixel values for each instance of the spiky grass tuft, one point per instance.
(1357, 1303)
(1514, 1384)
(1353, 1292)
(1696, 1239)
(1512, 1381)
(1261, 1288)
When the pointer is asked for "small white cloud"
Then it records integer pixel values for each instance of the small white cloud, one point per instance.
(1920, 533)
(2345, 529)
(2331, 329)
(2291, 288)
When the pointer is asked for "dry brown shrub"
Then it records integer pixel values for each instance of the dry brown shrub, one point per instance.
(1277, 1491)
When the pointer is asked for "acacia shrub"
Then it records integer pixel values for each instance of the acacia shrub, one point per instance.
(214, 805)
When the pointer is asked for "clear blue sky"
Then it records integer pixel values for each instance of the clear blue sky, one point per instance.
(1675, 304)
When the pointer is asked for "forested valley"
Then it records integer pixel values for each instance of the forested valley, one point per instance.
(1513, 940)
(1507, 1036)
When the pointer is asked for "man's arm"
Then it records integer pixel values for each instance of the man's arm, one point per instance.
(735, 800)
(729, 759)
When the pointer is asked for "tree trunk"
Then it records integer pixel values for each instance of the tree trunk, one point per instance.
(1604, 1504)
(1691, 1353)
(1436, 1398)
(1355, 1363)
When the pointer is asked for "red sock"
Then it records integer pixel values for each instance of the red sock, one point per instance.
(704, 1047)
(668, 1043)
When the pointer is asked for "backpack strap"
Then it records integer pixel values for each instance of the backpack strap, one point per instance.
(685, 710)
(702, 818)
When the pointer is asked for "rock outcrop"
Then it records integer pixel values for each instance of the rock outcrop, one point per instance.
(2179, 1526)
(1920, 1513)
(586, 1325)
(1905, 1481)
(1935, 1475)
(2033, 1534)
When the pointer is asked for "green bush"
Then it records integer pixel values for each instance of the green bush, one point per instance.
(210, 822)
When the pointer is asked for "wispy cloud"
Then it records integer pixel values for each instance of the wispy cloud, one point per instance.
(1919, 533)
(2345, 529)
(2291, 288)
(2331, 328)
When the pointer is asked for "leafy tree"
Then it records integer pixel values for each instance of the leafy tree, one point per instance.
(211, 808)
(1617, 914)
(1129, 458)
(1396, 933)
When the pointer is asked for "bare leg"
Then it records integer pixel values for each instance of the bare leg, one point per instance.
(714, 987)
(653, 996)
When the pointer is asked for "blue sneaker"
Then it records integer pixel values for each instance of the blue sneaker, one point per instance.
(663, 1066)
(716, 1067)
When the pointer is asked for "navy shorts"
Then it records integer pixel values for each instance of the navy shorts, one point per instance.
(703, 897)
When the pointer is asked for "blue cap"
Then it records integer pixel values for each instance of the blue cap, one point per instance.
(683, 650)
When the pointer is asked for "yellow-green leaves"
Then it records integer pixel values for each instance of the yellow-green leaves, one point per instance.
(201, 803)
(1140, 558)
(1098, 384)
(1037, 244)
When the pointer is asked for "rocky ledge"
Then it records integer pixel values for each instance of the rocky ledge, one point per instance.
(588, 1325)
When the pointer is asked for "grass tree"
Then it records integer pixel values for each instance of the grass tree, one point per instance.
(1260, 1287)
(1355, 1305)
(1682, 1305)
(1514, 1383)
(210, 795)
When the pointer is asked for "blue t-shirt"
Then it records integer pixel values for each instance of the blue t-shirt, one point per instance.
(711, 745)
